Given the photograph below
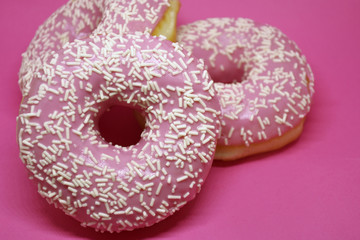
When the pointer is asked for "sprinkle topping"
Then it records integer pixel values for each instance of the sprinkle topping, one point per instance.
(110, 187)
(81, 18)
(263, 81)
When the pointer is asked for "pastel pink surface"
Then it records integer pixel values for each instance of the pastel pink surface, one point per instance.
(309, 190)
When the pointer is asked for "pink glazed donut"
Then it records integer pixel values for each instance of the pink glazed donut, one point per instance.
(263, 81)
(110, 187)
(81, 18)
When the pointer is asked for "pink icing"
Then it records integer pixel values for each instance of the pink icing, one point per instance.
(78, 19)
(109, 187)
(263, 81)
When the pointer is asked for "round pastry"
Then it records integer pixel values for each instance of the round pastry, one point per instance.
(81, 18)
(263, 81)
(110, 187)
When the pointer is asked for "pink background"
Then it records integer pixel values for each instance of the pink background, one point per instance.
(309, 190)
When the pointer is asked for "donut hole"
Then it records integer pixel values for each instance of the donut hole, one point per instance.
(121, 125)
(228, 77)
(229, 70)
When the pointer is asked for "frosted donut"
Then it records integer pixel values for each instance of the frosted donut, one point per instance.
(263, 81)
(110, 187)
(81, 18)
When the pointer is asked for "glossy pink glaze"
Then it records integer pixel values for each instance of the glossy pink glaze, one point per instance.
(264, 83)
(81, 18)
(114, 188)
(309, 190)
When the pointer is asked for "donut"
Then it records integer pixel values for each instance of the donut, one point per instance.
(110, 187)
(262, 79)
(81, 18)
